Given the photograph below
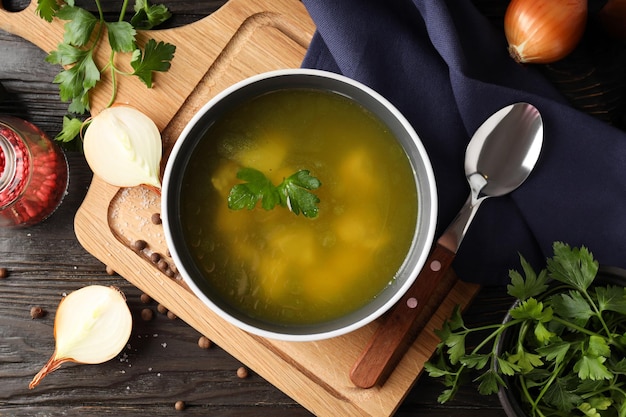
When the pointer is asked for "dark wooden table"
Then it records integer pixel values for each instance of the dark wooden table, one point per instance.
(162, 363)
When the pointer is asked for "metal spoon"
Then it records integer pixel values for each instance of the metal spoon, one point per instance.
(498, 159)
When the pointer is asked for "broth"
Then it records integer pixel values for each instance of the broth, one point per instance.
(282, 268)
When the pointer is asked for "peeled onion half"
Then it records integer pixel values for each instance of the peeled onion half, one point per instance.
(92, 325)
(123, 146)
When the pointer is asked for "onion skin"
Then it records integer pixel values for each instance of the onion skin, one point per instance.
(544, 31)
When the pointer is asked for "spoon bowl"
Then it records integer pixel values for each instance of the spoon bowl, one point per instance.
(498, 159)
(492, 154)
(500, 156)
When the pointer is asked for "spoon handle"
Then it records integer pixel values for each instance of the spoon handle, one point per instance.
(400, 326)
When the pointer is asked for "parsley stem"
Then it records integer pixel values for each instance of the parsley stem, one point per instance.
(123, 11)
(616, 387)
(499, 329)
(578, 328)
(612, 387)
(535, 408)
(548, 384)
(100, 13)
(597, 312)
(110, 63)
(113, 80)
(100, 25)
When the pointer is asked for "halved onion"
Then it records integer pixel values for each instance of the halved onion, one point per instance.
(92, 325)
(123, 146)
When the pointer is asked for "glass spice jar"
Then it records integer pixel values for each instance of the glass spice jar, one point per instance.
(33, 173)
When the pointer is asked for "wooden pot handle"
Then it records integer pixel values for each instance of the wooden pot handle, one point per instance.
(400, 326)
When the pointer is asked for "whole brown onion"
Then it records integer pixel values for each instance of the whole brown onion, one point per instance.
(544, 31)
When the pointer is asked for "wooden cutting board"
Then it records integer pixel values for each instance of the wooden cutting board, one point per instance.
(243, 38)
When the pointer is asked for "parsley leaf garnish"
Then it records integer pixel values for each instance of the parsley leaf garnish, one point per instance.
(82, 37)
(293, 193)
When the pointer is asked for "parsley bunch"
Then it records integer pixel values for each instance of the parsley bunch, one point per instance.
(83, 33)
(565, 344)
(293, 192)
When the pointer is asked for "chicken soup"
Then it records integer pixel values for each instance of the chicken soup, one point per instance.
(280, 267)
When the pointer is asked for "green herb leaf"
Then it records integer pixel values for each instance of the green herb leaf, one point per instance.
(300, 200)
(156, 57)
(532, 309)
(586, 386)
(456, 320)
(257, 187)
(293, 192)
(75, 82)
(598, 347)
(71, 129)
(435, 371)
(530, 286)
(588, 410)
(121, 36)
(506, 367)
(542, 334)
(446, 395)
(148, 16)
(619, 367)
(572, 266)
(600, 402)
(80, 103)
(81, 39)
(66, 54)
(525, 360)
(475, 361)
(567, 341)
(621, 407)
(490, 383)
(592, 367)
(80, 25)
(561, 396)
(572, 306)
(47, 9)
(456, 347)
(443, 333)
(555, 352)
(611, 298)
(536, 377)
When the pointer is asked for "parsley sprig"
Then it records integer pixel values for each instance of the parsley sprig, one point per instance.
(566, 344)
(293, 193)
(83, 33)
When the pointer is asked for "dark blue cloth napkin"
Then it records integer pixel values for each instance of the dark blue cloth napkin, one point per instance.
(446, 68)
